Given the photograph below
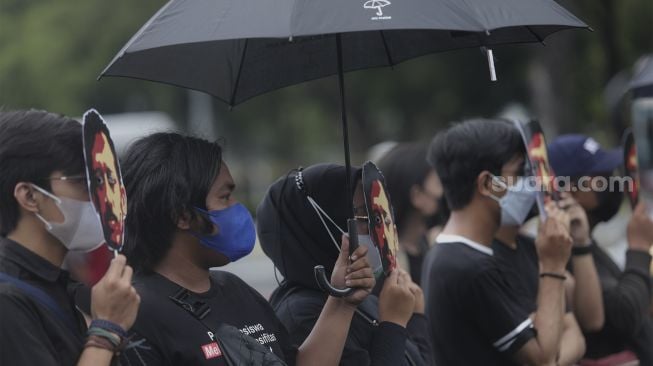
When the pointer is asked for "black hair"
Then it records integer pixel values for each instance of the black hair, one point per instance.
(33, 145)
(166, 175)
(461, 152)
(404, 167)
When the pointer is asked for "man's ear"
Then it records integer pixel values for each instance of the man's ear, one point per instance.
(25, 195)
(484, 185)
(184, 221)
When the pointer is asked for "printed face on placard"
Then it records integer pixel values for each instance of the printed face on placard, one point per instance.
(108, 191)
(642, 115)
(537, 164)
(105, 181)
(540, 164)
(383, 229)
(630, 163)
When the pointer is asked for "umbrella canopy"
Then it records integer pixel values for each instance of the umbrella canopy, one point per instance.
(238, 49)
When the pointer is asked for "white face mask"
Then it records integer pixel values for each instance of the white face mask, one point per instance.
(81, 229)
(373, 255)
(516, 203)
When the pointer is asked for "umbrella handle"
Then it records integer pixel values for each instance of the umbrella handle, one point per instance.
(320, 271)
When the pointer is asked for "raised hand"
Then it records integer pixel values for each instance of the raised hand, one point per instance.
(579, 228)
(640, 229)
(417, 292)
(396, 302)
(553, 240)
(114, 298)
(357, 273)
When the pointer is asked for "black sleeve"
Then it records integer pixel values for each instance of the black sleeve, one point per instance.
(628, 303)
(300, 313)
(503, 321)
(388, 345)
(23, 340)
(419, 334)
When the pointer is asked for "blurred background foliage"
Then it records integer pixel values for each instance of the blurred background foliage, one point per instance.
(51, 53)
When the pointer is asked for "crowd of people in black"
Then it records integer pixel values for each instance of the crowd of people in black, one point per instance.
(474, 284)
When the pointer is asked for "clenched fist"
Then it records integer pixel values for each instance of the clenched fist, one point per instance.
(114, 298)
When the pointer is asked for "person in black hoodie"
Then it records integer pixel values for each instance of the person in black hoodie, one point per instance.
(297, 222)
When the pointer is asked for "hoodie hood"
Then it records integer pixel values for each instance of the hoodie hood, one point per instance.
(290, 230)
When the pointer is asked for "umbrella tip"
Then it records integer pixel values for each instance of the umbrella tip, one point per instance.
(490, 61)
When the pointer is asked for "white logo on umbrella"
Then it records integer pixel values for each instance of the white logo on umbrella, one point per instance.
(376, 4)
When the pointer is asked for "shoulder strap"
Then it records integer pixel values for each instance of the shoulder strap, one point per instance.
(235, 345)
(42, 298)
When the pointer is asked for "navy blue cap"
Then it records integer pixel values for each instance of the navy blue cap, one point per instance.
(578, 155)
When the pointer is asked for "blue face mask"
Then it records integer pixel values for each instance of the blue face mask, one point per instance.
(236, 234)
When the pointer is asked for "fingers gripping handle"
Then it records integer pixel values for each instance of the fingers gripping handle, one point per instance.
(320, 271)
(323, 282)
(352, 229)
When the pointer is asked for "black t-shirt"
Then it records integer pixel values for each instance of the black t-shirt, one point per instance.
(30, 333)
(521, 266)
(368, 341)
(474, 315)
(627, 297)
(166, 334)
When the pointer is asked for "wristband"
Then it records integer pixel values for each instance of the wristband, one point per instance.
(581, 250)
(110, 326)
(99, 342)
(557, 276)
(99, 332)
(101, 338)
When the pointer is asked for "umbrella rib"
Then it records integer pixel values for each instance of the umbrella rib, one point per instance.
(240, 68)
(387, 51)
(528, 27)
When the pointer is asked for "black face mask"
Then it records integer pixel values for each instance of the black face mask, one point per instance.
(609, 204)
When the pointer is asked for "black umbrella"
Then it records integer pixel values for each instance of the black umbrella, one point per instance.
(238, 49)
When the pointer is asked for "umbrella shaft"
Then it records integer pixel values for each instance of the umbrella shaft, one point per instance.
(345, 128)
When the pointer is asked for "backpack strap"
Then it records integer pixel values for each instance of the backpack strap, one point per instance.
(42, 298)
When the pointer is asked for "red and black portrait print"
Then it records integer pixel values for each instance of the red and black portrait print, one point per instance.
(105, 180)
(383, 229)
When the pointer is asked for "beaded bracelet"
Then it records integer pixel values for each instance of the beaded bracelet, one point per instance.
(110, 326)
(101, 338)
(111, 337)
(99, 342)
